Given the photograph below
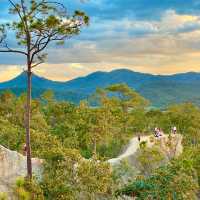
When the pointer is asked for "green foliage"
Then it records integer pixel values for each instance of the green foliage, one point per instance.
(20, 190)
(20, 182)
(174, 181)
(64, 135)
(149, 158)
(143, 144)
(74, 176)
(123, 173)
(3, 196)
(28, 190)
(37, 24)
(11, 136)
(127, 96)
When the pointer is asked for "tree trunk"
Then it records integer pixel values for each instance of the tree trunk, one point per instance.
(28, 118)
(95, 147)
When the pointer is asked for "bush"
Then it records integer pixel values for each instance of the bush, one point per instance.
(174, 181)
(26, 190)
(3, 196)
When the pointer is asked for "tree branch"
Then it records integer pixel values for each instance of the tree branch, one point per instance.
(8, 49)
(18, 11)
(40, 49)
(35, 65)
(12, 51)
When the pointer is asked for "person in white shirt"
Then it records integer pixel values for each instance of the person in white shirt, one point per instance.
(174, 129)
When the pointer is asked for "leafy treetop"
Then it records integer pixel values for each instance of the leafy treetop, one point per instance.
(38, 23)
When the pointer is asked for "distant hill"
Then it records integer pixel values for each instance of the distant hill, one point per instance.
(160, 90)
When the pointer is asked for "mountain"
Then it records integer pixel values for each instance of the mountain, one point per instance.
(160, 90)
(39, 85)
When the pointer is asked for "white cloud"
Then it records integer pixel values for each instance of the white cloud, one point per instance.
(168, 45)
(9, 71)
(172, 22)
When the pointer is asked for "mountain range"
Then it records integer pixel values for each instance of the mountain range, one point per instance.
(161, 90)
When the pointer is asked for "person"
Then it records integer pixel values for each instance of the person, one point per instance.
(139, 138)
(174, 130)
(160, 132)
(24, 149)
(156, 132)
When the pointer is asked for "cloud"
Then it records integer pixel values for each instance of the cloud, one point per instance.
(171, 22)
(67, 71)
(156, 37)
(8, 72)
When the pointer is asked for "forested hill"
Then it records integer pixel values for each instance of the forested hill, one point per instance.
(160, 90)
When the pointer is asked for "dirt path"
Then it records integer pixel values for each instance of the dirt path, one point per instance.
(133, 146)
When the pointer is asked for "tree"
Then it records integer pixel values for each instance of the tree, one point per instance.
(177, 180)
(149, 158)
(128, 100)
(38, 23)
(67, 176)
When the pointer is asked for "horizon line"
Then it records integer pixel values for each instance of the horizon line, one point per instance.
(101, 71)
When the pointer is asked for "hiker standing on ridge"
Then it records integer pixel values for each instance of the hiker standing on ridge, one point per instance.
(156, 132)
(174, 130)
(139, 138)
(160, 132)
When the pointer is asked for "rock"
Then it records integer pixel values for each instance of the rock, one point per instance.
(12, 166)
(126, 165)
(170, 151)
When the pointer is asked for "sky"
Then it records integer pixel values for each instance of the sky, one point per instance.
(150, 36)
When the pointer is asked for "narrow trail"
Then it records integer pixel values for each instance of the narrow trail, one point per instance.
(130, 150)
(133, 146)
